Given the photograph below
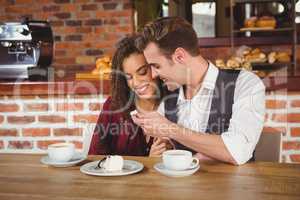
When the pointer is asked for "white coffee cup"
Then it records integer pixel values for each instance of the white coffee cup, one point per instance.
(179, 160)
(61, 152)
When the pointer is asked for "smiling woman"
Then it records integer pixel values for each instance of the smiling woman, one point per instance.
(133, 88)
(137, 74)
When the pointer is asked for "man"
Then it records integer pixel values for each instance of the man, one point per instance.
(217, 114)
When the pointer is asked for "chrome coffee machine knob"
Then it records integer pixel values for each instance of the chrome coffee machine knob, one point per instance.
(20, 47)
(6, 44)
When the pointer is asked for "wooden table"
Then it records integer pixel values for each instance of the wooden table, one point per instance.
(24, 177)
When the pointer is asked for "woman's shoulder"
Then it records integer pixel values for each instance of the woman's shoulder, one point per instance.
(107, 103)
(108, 111)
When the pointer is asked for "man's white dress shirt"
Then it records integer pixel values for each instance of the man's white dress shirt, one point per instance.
(248, 112)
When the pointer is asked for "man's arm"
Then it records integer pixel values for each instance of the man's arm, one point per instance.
(235, 146)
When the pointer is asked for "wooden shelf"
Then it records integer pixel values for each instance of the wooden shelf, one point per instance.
(268, 66)
(90, 76)
(252, 41)
(55, 88)
(255, 40)
(243, 30)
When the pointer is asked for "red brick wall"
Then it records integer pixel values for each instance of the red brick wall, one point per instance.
(283, 116)
(83, 29)
(30, 124)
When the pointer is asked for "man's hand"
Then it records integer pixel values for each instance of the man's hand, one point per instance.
(154, 124)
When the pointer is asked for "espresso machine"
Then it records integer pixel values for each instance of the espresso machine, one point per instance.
(26, 50)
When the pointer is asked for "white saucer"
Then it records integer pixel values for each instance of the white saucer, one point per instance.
(130, 167)
(175, 173)
(77, 158)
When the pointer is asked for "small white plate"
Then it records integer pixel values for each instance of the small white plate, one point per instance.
(130, 167)
(77, 158)
(175, 173)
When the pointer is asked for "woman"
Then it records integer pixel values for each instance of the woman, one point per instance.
(132, 89)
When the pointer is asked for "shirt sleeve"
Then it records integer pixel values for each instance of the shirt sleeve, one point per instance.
(247, 118)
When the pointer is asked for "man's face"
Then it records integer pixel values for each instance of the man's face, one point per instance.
(162, 67)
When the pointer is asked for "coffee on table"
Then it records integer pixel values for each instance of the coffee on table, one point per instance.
(61, 152)
(179, 160)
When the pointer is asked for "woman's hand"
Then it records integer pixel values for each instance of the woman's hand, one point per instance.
(159, 146)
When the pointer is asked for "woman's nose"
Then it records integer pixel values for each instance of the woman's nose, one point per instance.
(135, 81)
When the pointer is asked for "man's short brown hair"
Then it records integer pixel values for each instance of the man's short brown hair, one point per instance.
(169, 33)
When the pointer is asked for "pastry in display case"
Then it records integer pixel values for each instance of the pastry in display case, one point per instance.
(102, 71)
(266, 22)
(103, 66)
(250, 22)
(248, 58)
(255, 56)
(259, 23)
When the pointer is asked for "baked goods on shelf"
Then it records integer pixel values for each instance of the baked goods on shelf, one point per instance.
(264, 22)
(255, 56)
(101, 72)
(220, 63)
(250, 22)
(245, 57)
(233, 62)
(272, 57)
(103, 67)
(283, 57)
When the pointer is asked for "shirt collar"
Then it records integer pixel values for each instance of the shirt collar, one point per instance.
(211, 76)
(208, 82)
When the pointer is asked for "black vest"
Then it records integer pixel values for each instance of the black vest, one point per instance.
(221, 106)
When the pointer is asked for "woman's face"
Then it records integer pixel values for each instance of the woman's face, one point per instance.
(138, 75)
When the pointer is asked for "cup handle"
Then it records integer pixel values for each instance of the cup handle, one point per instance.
(195, 164)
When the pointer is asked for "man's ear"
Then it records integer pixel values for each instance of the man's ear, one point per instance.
(179, 55)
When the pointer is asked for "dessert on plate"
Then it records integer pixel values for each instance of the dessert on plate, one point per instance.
(112, 163)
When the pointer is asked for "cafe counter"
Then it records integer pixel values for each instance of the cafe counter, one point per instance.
(54, 88)
(88, 87)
